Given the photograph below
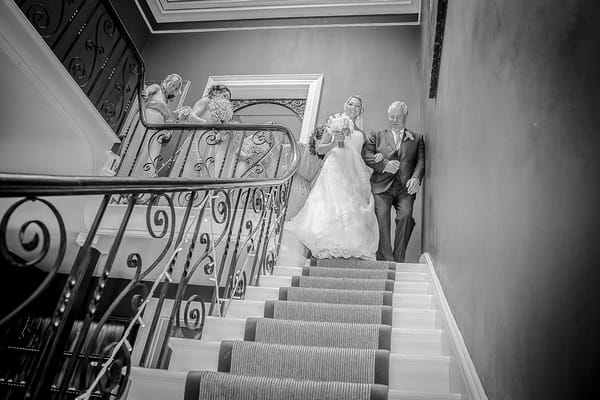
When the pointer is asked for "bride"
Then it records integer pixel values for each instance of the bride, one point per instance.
(338, 218)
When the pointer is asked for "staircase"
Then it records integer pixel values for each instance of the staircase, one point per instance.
(341, 329)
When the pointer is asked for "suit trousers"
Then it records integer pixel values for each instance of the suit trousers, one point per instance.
(397, 197)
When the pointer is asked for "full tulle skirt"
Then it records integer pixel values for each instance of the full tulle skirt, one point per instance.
(338, 218)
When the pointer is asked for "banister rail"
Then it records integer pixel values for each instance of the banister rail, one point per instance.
(54, 185)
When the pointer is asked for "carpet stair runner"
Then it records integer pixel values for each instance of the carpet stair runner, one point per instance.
(341, 329)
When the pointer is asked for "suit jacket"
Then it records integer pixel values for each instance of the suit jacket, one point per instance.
(411, 157)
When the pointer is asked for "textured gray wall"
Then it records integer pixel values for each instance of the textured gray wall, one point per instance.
(512, 195)
(380, 64)
(133, 21)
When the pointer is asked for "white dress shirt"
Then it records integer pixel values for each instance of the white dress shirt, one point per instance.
(398, 136)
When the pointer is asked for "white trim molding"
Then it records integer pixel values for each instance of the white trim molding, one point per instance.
(307, 86)
(473, 386)
(220, 10)
(176, 16)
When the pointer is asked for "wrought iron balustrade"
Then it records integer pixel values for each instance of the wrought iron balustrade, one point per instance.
(91, 42)
(203, 151)
(225, 231)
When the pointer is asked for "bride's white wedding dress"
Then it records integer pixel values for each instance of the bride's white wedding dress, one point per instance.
(338, 218)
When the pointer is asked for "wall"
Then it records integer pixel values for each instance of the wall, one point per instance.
(380, 64)
(133, 21)
(45, 114)
(511, 197)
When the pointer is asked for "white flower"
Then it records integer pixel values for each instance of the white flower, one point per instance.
(339, 122)
(221, 110)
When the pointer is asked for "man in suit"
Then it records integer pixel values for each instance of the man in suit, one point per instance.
(397, 157)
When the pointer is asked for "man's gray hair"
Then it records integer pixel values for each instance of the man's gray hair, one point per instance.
(399, 105)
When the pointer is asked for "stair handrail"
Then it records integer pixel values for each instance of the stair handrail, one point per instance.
(14, 184)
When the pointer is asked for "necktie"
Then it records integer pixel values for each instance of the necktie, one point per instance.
(398, 139)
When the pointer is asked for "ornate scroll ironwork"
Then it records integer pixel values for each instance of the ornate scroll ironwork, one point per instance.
(298, 106)
(96, 50)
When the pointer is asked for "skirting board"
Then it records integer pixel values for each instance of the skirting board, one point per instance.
(471, 379)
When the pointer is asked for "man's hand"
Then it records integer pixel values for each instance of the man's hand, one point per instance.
(392, 167)
(377, 157)
(412, 185)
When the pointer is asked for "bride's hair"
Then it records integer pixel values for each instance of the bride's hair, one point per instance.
(362, 103)
(359, 119)
(358, 125)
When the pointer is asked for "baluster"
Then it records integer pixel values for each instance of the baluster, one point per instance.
(233, 264)
(144, 362)
(97, 295)
(38, 384)
(226, 249)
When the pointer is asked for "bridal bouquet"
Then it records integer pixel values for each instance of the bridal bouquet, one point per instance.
(181, 114)
(221, 111)
(339, 123)
(257, 146)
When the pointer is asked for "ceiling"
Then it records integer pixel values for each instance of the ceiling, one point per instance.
(168, 16)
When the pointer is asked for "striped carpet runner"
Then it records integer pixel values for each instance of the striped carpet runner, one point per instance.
(326, 337)
(208, 385)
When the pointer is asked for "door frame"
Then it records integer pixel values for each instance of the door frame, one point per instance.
(306, 86)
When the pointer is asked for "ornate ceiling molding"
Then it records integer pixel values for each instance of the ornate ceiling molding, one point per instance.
(168, 16)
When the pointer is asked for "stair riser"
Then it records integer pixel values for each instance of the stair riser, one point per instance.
(416, 319)
(287, 271)
(216, 329)
(275, 281)
(409, 282)
(257, 293)
(420, 344)
(411, 395)
(420, 374)
(411, 343)
(254, 293)
(412, 301)
(423, 288)
(281, 270)
(410, 267)
(246, 309)
(156, 384)
(412, 287)
(412, 277)
(193, 355)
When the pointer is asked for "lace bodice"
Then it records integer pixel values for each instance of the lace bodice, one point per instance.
(355, 141)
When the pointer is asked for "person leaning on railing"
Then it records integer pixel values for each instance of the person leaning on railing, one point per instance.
(308, 169)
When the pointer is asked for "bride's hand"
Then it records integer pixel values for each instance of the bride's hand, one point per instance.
(338, 137)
